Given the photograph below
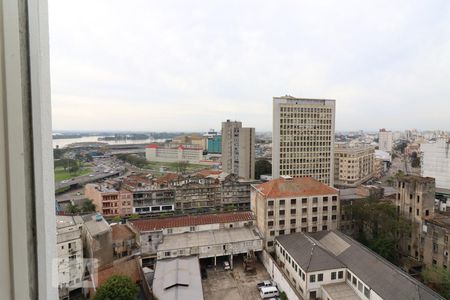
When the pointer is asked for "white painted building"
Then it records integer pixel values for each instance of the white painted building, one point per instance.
(69, 248)
(174, 153)
(435, 162)
(330, 265)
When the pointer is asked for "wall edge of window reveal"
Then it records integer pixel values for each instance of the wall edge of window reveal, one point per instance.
(27, 203)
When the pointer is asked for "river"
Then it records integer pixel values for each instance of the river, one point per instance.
(64, 142)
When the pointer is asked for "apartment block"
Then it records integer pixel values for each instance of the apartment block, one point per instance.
(174, 153)
(435, 241)
(303, 138)
(294, 204)
(353, 165)
(238, 149)
(385, 140)
(331, 265)
(435, 162)
(108, 200)
(415, 201)
(69, 247)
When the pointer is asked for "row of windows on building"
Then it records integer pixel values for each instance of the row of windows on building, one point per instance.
(270, 224)
(313, 200)
(295, 108)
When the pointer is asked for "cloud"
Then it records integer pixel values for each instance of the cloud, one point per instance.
(188, 65)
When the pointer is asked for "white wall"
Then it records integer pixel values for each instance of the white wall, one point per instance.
(277, 276)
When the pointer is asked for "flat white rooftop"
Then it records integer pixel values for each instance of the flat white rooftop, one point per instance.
(340, 291)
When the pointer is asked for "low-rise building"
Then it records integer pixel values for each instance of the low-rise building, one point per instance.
(69, 247)
(174, 153)
(331, 265)
(353, 165)
(178, 278)
(97, 239)
(152, 231)
(294, 204)
(108, 200)
(435, 241)
(123, 240)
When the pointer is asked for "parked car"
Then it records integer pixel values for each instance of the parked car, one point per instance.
(267, 292)
(265, 283)
(226, 266)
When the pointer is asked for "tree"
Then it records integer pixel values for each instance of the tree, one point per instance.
(400, 147)
(89, 157)
(72, 209)
(88, 206)
(283, 296)
(262, 167)
(134, 216)
(439, 279)
(117, 287)
(379, 227)
(117, 219)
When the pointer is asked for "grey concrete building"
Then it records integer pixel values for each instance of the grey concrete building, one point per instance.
(238, 149)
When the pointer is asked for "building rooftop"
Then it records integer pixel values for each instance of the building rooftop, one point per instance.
(128, 268)
(207, 238)
(384, 278)
(96, 224)
(415, 178)
(340, 291)
(191, 220)
(310, 256)
(178, 278)
(67, 221)
(442, 220)
(294, 187)
(121, 232)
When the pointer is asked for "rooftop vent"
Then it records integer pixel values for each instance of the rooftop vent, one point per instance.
(98, 217)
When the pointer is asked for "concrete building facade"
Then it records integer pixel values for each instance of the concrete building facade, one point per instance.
(385, 140)
(174, 153)
(303, 138)
(435, 162)
(109, 201)
(238, 149)
(415, 201)
(69, 248)
(353, 165)
(288, 205)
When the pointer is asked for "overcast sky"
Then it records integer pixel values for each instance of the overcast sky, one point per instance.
(188, 65)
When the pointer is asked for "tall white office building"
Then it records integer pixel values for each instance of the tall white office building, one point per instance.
(303, 138)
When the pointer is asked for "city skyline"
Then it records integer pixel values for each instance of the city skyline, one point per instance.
(386, 64)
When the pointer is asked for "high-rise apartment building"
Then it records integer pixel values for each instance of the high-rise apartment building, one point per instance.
(385, 140)
(303, 138)
(238, 149)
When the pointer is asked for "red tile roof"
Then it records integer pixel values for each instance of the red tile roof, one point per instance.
(295, 187)
(168, 177)
(208, 172)
(191, 220)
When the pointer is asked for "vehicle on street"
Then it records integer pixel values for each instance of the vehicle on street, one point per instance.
(265, 283)
(269, 292)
